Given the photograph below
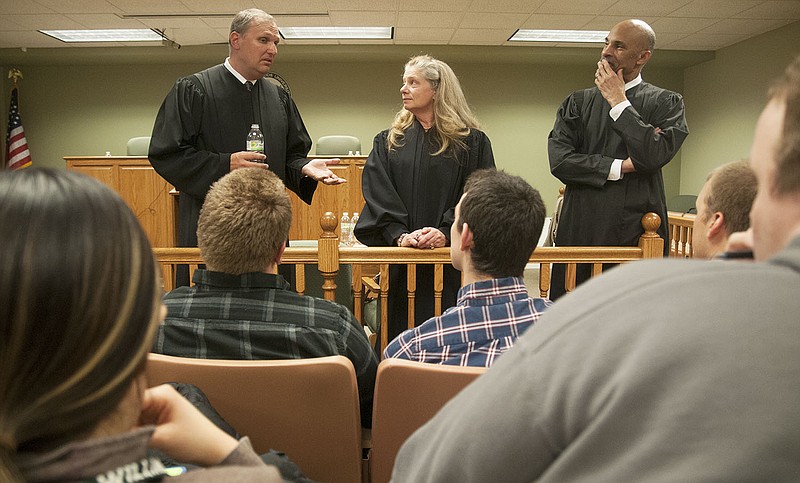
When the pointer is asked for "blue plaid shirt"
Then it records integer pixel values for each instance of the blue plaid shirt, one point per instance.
(487, 319)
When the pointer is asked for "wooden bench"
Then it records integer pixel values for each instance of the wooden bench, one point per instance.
(329, 257)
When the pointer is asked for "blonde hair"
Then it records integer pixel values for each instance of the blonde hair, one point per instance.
(452, 118)
(79, 302)
(244, 220)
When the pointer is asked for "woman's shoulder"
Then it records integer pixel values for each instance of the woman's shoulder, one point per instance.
(476, 135)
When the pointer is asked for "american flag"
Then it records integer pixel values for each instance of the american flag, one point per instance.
(17, 154)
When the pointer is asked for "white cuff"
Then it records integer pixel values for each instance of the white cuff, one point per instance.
(615, 174)
(616, 111)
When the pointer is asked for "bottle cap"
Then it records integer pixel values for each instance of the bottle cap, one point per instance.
(254, 126)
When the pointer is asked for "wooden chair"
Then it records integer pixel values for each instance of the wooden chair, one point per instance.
(306, 408)
(407, 395)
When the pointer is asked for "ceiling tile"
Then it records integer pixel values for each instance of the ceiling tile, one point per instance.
(428, 19)
(659, 8)
(508, 21)
(575, 7)
(435, 6)
(142, 7)
(747, 26)
(363, 18)
(414, 35)
(195, 36)
(18, 6)
(290, 21)
(49, 21)
(28, 39)
(707, 41)
(384, 5)
(464, 36)
(605, 22)
(506, 6)
(559, 22)
(714, 8)
(175, 22)
(106, 21)
(79, 6)
(282, 6)
(776, 9)
(677, 25)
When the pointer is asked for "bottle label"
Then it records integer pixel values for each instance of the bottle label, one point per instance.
(255, 145)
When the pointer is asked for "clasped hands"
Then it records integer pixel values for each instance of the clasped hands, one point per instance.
(316, 169)
(426, 237)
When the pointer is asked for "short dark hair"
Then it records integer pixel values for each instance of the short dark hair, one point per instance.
(731, 191)
(244, 220)
(506, 215)
(787, 156)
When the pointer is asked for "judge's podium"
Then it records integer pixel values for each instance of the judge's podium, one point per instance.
(155, 202)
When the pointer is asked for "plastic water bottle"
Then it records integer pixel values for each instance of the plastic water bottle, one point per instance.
(351, 240)
(255, 139)
(346, 230)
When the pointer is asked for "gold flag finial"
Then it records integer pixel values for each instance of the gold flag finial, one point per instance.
(15, 75)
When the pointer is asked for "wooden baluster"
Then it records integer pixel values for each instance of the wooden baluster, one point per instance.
(569, 277)
(674, 238)
(438, 286)
(597, 269)
(411, 286)
(300, 278)
(384, 296)
(328, 254)
(651, 244)
(358, 288)
(544, 279)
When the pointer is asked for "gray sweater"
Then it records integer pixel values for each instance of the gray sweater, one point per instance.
(674, 370)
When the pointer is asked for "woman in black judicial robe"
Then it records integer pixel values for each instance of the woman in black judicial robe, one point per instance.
(415, 176)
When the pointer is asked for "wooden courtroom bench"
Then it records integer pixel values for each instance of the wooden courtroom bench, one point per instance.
(329, 257)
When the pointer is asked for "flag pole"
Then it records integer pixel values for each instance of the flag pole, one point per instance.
(17, 155)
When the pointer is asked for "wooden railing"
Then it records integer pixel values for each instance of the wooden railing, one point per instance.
(329, 256)
(680, 234)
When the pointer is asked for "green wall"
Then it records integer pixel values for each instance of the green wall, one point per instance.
(724, 97)
(90, 109)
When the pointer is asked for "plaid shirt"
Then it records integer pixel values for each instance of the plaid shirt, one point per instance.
(255, 316)
(487, 319)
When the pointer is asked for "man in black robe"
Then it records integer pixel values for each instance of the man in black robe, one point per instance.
(608, 146)
(201, 127)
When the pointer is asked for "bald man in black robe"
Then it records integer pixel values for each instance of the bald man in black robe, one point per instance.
(608, 146)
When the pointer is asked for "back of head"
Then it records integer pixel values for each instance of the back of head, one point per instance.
(732, 189)
(79, 299)
(506, 215)
(244, 221)
(787, 90)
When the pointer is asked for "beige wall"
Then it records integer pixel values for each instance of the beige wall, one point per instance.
(724, 97)
(91, 109)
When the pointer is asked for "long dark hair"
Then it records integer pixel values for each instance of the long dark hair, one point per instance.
(79, 297)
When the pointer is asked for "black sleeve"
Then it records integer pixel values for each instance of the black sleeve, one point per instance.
(176, 148)
(298, 144)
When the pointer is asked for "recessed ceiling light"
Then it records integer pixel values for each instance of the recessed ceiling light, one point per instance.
(105, 35)
(524, 35)
(371, 33)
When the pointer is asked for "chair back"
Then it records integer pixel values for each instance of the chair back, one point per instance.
(306, 408)
(138, 146)
(683, 204)
(338, 145)
(407, 395)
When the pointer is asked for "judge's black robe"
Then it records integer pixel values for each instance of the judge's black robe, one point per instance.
(406, 189)
(204, 119)
(584, 142)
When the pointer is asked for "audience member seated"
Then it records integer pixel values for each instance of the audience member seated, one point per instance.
(79, 305)
(498, 222)
(723, 207)
(619, 384)
(238, 308)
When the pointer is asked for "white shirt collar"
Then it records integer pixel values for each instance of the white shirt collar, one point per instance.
(635, 82)
(238, 75)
